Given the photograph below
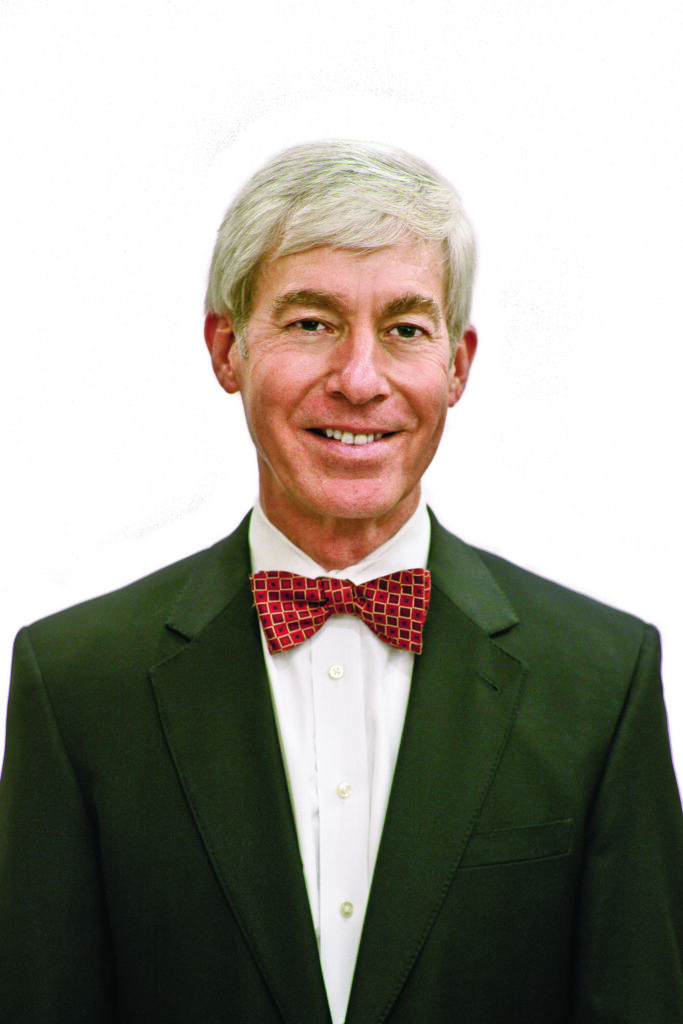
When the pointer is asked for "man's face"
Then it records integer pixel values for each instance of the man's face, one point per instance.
(346, 383)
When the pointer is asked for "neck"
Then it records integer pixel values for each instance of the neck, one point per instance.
(335, 543)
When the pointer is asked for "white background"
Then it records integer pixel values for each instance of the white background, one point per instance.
(125, 131)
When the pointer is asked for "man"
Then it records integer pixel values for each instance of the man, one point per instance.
(283, 799)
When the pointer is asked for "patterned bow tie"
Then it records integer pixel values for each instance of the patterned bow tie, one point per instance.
(293, 608)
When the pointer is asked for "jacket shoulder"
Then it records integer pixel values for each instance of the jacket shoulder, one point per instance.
(132, 618)
(542, 622)
(590, 650)
(536, 595)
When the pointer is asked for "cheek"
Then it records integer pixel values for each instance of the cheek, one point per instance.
(260, 412)
(269, 402)
(431, 394)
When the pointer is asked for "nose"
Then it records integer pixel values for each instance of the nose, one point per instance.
(358, 370)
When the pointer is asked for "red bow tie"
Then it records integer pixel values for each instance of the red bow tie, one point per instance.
(293, 608)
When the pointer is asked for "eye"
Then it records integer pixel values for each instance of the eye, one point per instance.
(309, 325)
(407, 331)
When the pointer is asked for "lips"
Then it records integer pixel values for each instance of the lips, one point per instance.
(350, 437)
(347, 437)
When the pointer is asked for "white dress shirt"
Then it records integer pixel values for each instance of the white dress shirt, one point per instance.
(340, 700)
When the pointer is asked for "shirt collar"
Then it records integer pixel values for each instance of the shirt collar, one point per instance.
(407, 549)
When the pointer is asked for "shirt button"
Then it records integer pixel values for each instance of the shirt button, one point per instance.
(335, 671)
(346, 908)
(344, 790)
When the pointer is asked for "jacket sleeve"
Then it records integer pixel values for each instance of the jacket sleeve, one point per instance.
(629, 965)
(55, 952)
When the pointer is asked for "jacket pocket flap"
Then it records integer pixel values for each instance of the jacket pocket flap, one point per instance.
(529, 842)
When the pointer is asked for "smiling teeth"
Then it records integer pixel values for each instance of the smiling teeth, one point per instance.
(346, 437)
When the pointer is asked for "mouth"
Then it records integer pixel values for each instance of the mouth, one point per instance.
(348, 436)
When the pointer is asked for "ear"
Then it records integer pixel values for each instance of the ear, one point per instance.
(219, 334)
(464, 354)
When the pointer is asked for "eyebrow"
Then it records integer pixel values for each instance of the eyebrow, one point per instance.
(329, 301)
(410, 303)
(306, 297)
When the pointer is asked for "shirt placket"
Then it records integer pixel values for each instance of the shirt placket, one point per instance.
(343, 798)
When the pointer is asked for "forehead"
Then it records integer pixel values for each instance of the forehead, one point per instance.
(377, 277)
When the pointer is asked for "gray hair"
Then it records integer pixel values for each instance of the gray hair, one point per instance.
(348, 195)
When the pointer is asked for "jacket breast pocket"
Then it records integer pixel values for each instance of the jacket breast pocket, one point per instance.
(528, 842)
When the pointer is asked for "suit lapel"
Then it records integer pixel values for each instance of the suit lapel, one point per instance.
(216, 711)
(463, 697)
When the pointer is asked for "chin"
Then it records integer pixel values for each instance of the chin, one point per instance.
(359, 505)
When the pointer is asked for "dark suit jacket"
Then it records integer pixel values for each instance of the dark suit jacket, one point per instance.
(531, 866)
